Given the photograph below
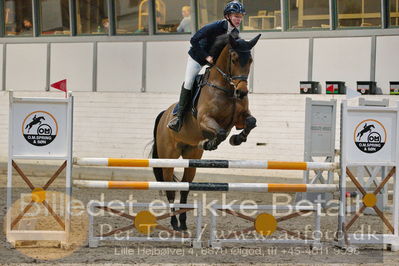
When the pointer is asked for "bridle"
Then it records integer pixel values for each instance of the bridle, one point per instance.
(236, 93)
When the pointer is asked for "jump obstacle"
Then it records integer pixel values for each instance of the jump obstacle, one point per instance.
(196, 186)
(185, 163)
(379, 149)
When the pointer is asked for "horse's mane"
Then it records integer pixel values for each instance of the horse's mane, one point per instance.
(220, 43)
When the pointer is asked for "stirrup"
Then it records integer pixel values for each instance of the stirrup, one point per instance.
(175, 124)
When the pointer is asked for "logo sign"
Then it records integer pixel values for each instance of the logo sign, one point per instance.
(40, 128)
(370, 136)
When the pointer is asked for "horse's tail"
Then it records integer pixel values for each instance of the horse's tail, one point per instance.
(157, 171)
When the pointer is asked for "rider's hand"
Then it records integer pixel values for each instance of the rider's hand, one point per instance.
(209, 59)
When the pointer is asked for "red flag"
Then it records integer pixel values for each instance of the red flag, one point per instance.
(60, 85)
(330, 88)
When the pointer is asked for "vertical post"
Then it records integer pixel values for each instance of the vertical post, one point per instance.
(144, 68)
(95, 61)
(384, 14)
(92, 240)
(317, 223)
(310, 59)
(198, 211)
(152, 9)
(72, 16)
(36, 17)
(68, 176)
(284, 14)
(373, 57)
(2, 21)
(213, 226)
(3, 84)
(333, 14)
(111, 17)
(300, 13)
(194, 16)
(9, 165)
(342, 179)
(395, 208)
(48, 66)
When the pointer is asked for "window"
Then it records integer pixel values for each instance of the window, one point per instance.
(359, 13)
(160, 16)
(309, 14)
(262, 15)
(173, 16)
(18, 18)
(92, 17)
(127, 16)
(210, 10)
(394, 12)
(54, 17)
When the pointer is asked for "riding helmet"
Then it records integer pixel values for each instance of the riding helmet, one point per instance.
(234, 7)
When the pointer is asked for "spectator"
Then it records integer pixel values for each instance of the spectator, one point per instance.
(185, 23)
(105, 25)
(26, 26)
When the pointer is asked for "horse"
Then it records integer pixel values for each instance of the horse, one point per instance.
(366, 128)
(35, 120)
(222, 104)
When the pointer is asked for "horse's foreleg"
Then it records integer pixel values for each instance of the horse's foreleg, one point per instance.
(213, 133)
(250, 123)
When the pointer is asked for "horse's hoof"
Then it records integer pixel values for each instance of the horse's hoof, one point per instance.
(183, 227)
(176, 228)
(222, 135)
(235, 140)
(208, 146)
(250, 122)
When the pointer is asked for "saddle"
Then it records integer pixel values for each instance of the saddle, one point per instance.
(199, 82)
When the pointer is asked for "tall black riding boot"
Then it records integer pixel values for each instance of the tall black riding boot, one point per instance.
(177, 122)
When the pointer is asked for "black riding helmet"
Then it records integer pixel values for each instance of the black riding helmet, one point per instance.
(234, 7)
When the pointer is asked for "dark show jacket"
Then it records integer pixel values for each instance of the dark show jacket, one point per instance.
(203, 40)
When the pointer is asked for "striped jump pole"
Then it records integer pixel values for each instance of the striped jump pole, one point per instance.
(185, 163)
(185, 186)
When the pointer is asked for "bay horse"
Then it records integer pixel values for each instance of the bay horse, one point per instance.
(222, 104)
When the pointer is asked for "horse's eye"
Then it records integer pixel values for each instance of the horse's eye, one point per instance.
(234, 57)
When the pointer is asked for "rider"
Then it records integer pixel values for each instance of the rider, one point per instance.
(201, 44)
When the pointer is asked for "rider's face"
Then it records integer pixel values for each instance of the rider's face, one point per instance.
(236, 19)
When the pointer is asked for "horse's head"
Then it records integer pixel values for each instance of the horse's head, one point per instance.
(236, 59)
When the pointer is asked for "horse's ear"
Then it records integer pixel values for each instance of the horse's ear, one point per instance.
(233, 41)
(252, 42)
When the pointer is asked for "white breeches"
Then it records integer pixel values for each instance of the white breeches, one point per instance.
(192, 70)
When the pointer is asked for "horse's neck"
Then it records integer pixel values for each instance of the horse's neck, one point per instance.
(221, 63)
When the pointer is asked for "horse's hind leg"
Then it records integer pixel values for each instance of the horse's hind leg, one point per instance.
(168, 175)
(188, 176)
